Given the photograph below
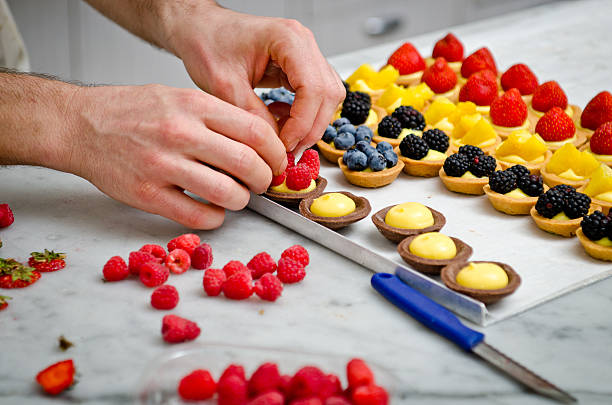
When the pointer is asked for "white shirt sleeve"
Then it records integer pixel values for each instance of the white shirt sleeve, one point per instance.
(13, 54)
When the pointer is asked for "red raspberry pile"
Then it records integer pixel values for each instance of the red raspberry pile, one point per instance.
(235, 279)
(298, 176)
(267, 386)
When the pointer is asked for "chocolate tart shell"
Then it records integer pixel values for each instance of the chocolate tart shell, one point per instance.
(293, 199)
(362, 210)
(593, 249)
(432, 266)
(371, 179)
(559, 227)
(509, 205)
(419, 168)
(398, 234)
(449, 277)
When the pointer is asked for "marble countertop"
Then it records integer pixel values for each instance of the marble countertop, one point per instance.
(116, 332)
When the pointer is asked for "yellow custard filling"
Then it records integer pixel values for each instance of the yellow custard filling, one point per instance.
(604, 242)
(409, 215)
(571, 175)
(601, 158)
(561, 217)
(332, 205)
(561, 143)
(405, 132)
(444, 125)
(517, 193)
(412, 76)
(433, 245)
(469, 175)
(282, 188)
(434, 155)
(448, 93)
(569, 111)
(483, 109)
(607, 196)
(519, 160)
(482, 276)
(371, 120)
(525, 125)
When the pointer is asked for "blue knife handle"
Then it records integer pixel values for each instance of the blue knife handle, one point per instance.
(425, 310)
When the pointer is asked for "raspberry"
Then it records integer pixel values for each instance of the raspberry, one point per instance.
(188, 242)
(306, 382)
(231, 390)
(307, 401)
(337, 400)
(6, 216)
(234, 266)
(164, 297)
(178, 261)
(278, 180)
(297, 253)
(290, 160)
(202, 257)
(265, 378)
(115, 269)
(261, 264)
(138, 259)
(310, 158)
(269, 398)
(268, 287)
(239, 286)
(153, 274)
(197, 386)
(213, 281)
(156, 250)
(298, 177)
(358, 373)
(233, 370)
(331, 386)
(176, 329)
(290, 271)
(370, 395)
(284, 383)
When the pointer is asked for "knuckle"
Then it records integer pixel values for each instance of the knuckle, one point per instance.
(221, 191)
(293, 25)
(245, 160)
(147, 192)
(196, 219)
(256, 131)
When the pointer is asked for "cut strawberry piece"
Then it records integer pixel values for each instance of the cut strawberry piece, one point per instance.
(519, 76)
(439, 77)
(509, 110)
(547, 96)
(555, 126)
(481, 88)
(601, 141)
(57, 377)
(598, 111)
(407, 59)
(6, 216)
(482, 59)
(15, 275)
(449, 48)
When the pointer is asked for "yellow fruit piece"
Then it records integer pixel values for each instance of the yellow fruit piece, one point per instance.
(568, 157)
(392, 94)
(463, 108)
(522, 144)
(384, 78)
(364, 72)
(417, 96)
(393, 107)
(464, 124)
(479, 134)
(361, 85)
(444, 125)
(439, 109)
(600, 183)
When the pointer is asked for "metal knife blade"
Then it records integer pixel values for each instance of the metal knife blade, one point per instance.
(445, 323)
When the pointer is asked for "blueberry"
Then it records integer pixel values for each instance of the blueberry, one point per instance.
(383, 146)
(340, 121)
(391, 157)
(330, 134)
(363, 133)
(365, 147)
(377, 162)
(348, 153)
(357, 161)
(350, 128)
(344, 141)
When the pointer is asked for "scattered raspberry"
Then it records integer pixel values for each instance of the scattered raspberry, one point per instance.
(370, 395)
(278, 180)
(307, 401)
(597, 112)
(482, 59)
(297, 253)
(188, 242)
(449, 48)
(164, 297)
(176, 329)
(358, 373)
(153, 274)
(555, 126)
(310, 158)
(202, 257)
(47, 261)
(233, 370)
(6, 216)
(233, 267)
(406, 59)
(521, 77)
(158, 251)
(298, 177)
(231, 390)
(213, 281)
(331, 386)
(509, 110)
(269, 398)
(439, 77)
(239, 286)
(547, 96)
(337, 400)
(115, 269)
(265, 378)
(306, 382)
(178, 261)
(57, 377)
(268, 287)
(261, 264)
(289, 271)
(138, 259)
(284, 383)
(197, 386)
(601, 141)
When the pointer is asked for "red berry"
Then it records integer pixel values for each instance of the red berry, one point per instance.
(449, 48)
(57, 377)
(153, 274)
(234, 266)
(284, 383)
(3, 306)
(6, 216)
(480, 88)
(597, 112)
(198, 385)
(268, 287)
(298, 177)
(306, 382)
(358, 373)
(164, 297)
(138, 259)
(232, 390)
(337, 400)
(310, 158)
(213, 281)
(439, 77)
(290, 271)
(15, 275)
(269, 398)
(547, 96)
(297, 253)
(519, 76)
(370, 395)
(235, 370)
(176, 329)
(115, 269)
(178, 261)
(307, 401)
(331, 386)
(278, 180)
(47, 261)
(265, 378)
(261, 264)
(290, 160)
(202, 257)
(406, 59)
(482, 59)
(239, 286)
(3, 303)
(156, 250)
(188, 242)
(601, 141)
(509, 110)
(555, 126)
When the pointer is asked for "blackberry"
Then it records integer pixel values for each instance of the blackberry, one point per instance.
(550, 203)
(413, 147)
(389, 127)
(483, 166)
(456, 165)
(564, 189)
(409, 117)
(577, 205)
(355, 110)
(377, 162)
(520, 171)
(390, 156)
(436, 139)
(531, 185)
(471, 151)
(360, 96)
(502, 181)
(596, 225)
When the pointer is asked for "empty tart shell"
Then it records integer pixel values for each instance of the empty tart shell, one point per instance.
(509, 205)
(420, 168)
(362, 210)
(371, 179)
(587, 147)
(605, 205)
(432, 266)
(449, 277)
(593, 249)
(534, 168)
(463, 186)
(563, 228)
(488, 150)
(398, 234)
(552, 179)
(293, 199)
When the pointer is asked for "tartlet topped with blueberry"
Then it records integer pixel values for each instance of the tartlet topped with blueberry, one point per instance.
(366, 166)
(514, 190)
(595, 235)
(403, 121)
(423, 156)
(467, 171)
(341, 136)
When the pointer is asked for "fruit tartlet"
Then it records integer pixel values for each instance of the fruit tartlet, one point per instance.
(481, 89)
(358, 109)
(341, 136)
(596, 113)
(430, 252)
(403, 121)
(509, 113)
(481, 135)
(410, 64)
(556, 128)
(423, 156)
(449, 48)
(600, 144)
(595, 235)
(367, 80)
(441, 80)
(487, 282)
(335, 210)
(549, 95)
(400, 221)
(520, 77)
(299, 180)
(599, 188)
(560, 210)
(524, 148)
(467, 171)
(568, 165)
(482, 59)
(416, 96)
(514, 191)
(366, 166)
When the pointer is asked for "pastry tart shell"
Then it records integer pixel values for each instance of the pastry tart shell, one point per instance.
(593, 249)
(371, 179)
(559, 227)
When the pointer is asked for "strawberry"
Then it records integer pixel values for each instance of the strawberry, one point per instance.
(407, 59)
(601, 141)
(6, 216)
(47, 261)
(509, 110)
(555, 126)
(449, 48)
(57, 377)
(3, 303)
(597, 111)
(521, 77)
(15, 275)
(548, 95)
(482, 59)
(439, 76)
(310, 158)
(481, 88)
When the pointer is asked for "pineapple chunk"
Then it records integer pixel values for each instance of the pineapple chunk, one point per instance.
(463, 108)
(439, 109)
(361, 85)
(387, 76)
(417, 96)
(481, 134)
(600, 184)
(444, 125)
(392, 95)
(464, 124)
(568, 157)
(522, 144)
(364, 72)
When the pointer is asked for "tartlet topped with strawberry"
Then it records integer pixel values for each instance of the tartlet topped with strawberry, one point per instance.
(600, 144)
(410, 64)
(556, 128)
(509, 113)
(597, 112)
(520, 77)
(481, 89)
(482, 59)
(449, 48)
(549, 95)
(441, 79)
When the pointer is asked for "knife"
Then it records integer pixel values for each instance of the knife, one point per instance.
(445, 323)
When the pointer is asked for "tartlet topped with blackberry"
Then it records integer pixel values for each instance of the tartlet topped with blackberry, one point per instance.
(423, 156)
(357, 107)
(366, 166)
(341, 136)
(467, 171)
(595, 235)
(514, 190)
(403, 121)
